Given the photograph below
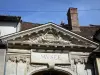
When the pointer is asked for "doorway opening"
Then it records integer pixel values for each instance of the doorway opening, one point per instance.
(53, 72)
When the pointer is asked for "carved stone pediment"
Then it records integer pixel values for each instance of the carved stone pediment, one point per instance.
(49, 34)
(49, 38)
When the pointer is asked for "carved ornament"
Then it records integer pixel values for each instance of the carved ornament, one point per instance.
(16, 58)
(49, 38)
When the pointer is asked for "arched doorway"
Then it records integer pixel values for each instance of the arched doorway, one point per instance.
(55, 71)
(51, 72)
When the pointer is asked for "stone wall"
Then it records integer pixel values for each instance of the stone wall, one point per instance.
(20, 64)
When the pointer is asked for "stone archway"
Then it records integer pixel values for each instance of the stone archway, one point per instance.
(55, 71)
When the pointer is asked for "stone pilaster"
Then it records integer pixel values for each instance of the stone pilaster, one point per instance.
(3, 49)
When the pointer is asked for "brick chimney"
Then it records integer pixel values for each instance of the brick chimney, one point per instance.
(73, 19)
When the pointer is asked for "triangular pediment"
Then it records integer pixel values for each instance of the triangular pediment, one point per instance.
(49, 34)
(48, 37)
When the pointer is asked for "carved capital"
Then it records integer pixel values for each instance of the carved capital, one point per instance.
(18, 58)
(21, 58)
(12, 58)
(81, 60)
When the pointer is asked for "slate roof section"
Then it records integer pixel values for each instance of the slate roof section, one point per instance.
(6, 18)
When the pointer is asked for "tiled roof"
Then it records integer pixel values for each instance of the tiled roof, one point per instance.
(88, 31)
(28, 25)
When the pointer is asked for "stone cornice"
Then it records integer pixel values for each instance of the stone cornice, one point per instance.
(21, 45)
(48, 44)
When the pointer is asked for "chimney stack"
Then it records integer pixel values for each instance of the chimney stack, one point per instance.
(73, 19)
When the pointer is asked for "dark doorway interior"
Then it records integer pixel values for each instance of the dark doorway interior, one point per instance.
(50, 73)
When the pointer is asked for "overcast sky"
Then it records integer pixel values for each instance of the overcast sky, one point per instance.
(25, 8)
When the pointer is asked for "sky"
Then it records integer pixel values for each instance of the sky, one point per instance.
(88, 10)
